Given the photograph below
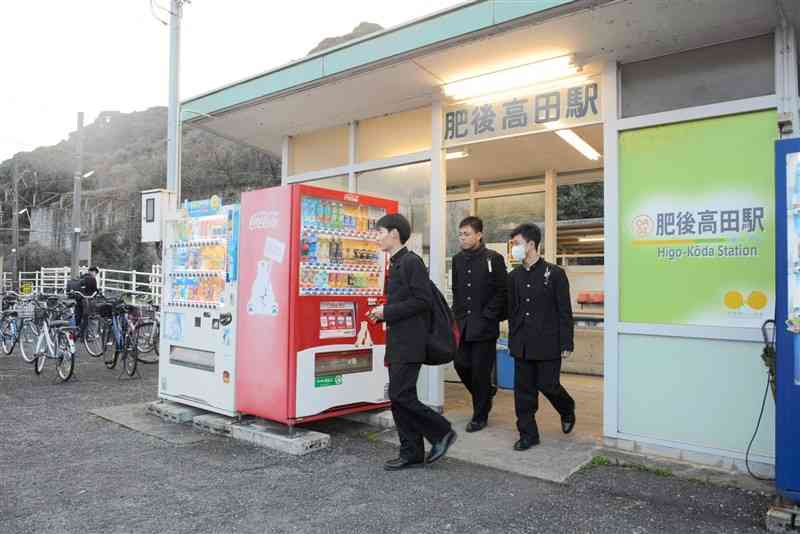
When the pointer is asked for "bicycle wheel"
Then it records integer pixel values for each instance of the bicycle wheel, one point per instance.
(144, 336)
(130, 358)
(110, 358)
(7, 334)
(66, 357)
(40, 359)
(94, 337)
(28, 335)
(147, 342)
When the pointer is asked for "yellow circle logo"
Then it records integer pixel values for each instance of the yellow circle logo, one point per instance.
(215, 202)
(733, 300)
(757, 300)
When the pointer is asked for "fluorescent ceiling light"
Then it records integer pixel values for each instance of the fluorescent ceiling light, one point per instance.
(457, 154)
(526, 91)
(88, 174)
(507, 79)
(592, 239)
(579, 144)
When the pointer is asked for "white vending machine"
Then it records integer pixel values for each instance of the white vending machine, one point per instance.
(197, 366)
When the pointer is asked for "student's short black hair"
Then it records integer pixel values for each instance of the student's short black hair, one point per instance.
(473, 222)
(529, 232)
(94, 269)
(395, 221)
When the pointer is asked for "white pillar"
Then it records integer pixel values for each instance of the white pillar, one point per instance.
(786, 87)
(550, 215)
(431, 382)
(611, 382)
(285, 155)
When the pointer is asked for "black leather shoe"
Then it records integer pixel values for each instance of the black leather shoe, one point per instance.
(440, 449)
(568, 423)
(525, 443)
(475, 426)
(402, 463)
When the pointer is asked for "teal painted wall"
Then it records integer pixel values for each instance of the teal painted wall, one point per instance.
(700, 392)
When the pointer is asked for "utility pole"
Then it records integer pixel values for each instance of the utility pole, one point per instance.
(76, 201)
(15, 226)
(173, 108)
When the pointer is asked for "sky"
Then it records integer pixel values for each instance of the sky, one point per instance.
(58, 57)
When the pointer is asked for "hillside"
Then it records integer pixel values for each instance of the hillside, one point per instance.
(127, 151)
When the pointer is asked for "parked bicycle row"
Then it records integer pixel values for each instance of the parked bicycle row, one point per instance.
(49, 327)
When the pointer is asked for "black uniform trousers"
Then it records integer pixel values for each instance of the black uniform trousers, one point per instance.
(414, 420)
(474, 365)
(530, 378)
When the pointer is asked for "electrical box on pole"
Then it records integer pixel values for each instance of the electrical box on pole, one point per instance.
(155, 206)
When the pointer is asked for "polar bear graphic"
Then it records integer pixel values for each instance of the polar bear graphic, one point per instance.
(262, 298)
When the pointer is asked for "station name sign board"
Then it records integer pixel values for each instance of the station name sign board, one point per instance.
(553, 109)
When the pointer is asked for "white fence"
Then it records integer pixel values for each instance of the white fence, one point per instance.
(139, 286)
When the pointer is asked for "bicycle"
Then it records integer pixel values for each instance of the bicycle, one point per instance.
(148, 334)
(97, 335)
(9, 322)
(30, 326)
(56, 338)
(123, 322)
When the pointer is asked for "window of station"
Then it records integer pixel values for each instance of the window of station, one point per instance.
(409, 185)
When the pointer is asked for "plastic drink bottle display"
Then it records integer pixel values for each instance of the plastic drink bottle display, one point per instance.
(312, 247)
(322, 249)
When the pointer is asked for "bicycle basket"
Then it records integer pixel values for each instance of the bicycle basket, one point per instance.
(147, 312)
(104, 309)
(25, 309)
(39, 313)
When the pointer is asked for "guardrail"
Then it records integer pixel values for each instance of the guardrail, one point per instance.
(139, 285)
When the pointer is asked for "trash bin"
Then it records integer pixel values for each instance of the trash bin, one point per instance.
(505, 365)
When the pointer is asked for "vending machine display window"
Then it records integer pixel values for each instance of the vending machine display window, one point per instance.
(338, 252)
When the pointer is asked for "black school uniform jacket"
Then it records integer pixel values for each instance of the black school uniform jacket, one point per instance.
(479, 293)
(540, 322)
(407, 310)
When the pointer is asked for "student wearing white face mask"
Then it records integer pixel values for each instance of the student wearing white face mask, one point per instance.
(541, 332)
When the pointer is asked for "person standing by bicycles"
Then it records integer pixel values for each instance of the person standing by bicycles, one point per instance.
(87, 286)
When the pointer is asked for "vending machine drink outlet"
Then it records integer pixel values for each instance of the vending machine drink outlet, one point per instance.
(310, 269)
(787, 318)
(197, 366)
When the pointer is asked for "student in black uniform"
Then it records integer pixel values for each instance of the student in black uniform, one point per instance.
(541, 333)
(409, 299)
(479, 304)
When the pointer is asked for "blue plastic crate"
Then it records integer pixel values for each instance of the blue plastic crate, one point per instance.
(505, 365)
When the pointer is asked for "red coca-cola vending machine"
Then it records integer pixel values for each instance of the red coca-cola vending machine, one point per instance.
(309, 270)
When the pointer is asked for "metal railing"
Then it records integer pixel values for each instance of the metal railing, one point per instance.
(138, 285)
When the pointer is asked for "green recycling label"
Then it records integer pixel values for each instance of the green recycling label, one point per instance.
(325, 381)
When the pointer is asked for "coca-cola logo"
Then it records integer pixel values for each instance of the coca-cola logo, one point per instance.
(351, 197)
(264, 220)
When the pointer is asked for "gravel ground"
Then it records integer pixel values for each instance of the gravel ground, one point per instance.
(63, 469)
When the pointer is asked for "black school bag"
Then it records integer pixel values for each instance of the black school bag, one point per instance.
(444, 335)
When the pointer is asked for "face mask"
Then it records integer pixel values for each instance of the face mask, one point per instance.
(518, 252)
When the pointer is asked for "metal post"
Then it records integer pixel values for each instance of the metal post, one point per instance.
(173, 110)
(15, 225)
(76, 200)
(550, 215)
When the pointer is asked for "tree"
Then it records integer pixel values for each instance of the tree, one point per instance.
(33, 256)
(580, 201)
